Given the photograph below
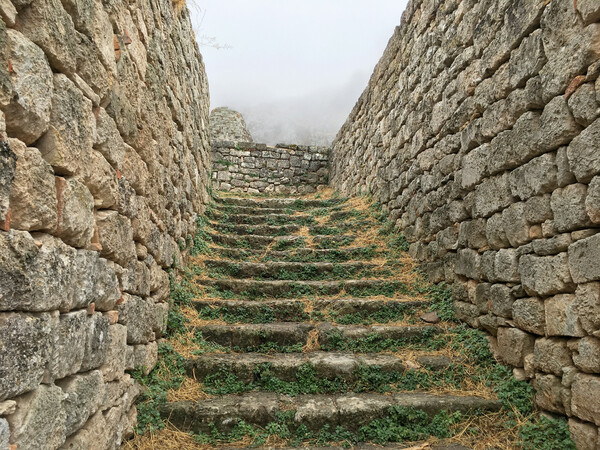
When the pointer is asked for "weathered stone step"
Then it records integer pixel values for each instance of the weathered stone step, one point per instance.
(252, 311)
(250, 210)
(279, 270)
(283, 230)
(300, 254)
(327, 365)
(281, 203)
(269, 219)
(292, 333)
(291, 289)
(314, 411)
(261, 230)
(261, 241)
(421, 445)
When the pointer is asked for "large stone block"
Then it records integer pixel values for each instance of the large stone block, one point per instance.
(557, 125)
(142, 357)
(83, 396)
(468, 263)
(585, 435)
(114, 365)
(127, 204)
(552, 246)
(492, 195)
(538, 176)
(135, 170)
(512, 148)
(68, 141)
(501, 300)
(48, 25)
(24, 351)
(551, 355)
(583, 259)
(545, 275)
(474, 166)
(587, 299)
(585, 402)
(516, 227)
(80, 343)
(33, 198)
(75, 213)
(97, 343)
(472, 234)
(135, 279)
(28, 113)
(108, 141)
(44, 274)
(583, 104)
(587, 356)
(116, 237)
(562, 316)
(160, 317)
(40, 419)
(583, 154)
(570, 50)
(495, 233)
(529, 315)
(101, 179)
(550, 394)
(568, 206)
(592, 201)
(564, 176)
(538, 209)
(69, 341)
(136, 314)
(514, 345)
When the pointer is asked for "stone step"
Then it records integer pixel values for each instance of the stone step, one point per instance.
(251, 311)
(327, 365)
(313, 411)
(284, 230)
(411, 446)
(250, 210)
(292, 289)
(261, 230)
(299, 254)
(292, 333)
(265, 219)
(261, 241)
(280, 270)
(278, 203)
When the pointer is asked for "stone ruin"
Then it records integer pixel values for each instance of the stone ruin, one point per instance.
(478, 133)
(228, 125)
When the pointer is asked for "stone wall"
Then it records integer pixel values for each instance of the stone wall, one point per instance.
(479, 132)
(103, 170)
(284, 169)
(228, 125)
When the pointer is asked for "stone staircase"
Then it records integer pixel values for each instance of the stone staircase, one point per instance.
(306, 318)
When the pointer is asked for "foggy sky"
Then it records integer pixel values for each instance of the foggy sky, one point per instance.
(295, 67)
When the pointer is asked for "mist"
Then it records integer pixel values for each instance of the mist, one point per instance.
(293, 68)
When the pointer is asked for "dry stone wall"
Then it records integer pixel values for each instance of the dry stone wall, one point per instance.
(479, 132)
(255, 168)
(104, 157)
